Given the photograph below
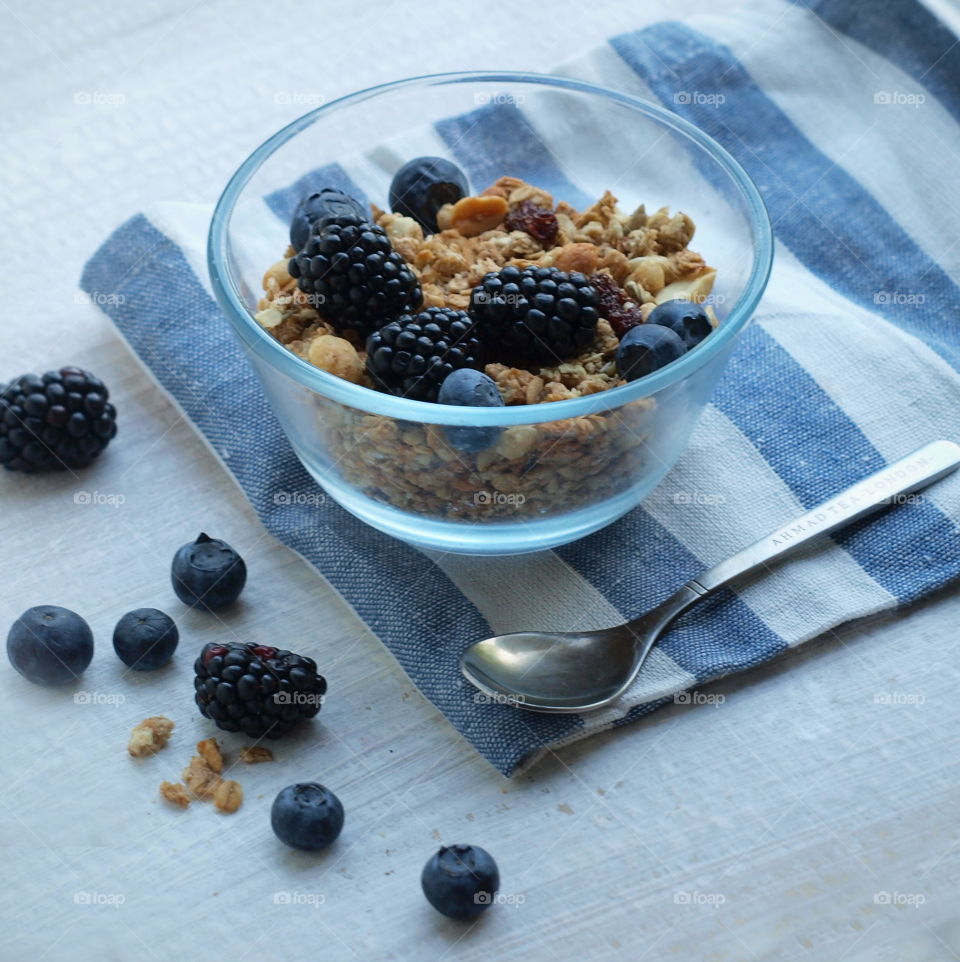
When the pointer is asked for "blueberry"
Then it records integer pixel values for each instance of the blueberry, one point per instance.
(423, 185)
(208, 574)
(145, 639)
(49, 645)
(320, 208)
(647, 348)
(683, 317)
(460, 881)
(472, 389)
(306, 816)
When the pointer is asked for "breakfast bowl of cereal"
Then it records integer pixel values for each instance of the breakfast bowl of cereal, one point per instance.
(489, 309)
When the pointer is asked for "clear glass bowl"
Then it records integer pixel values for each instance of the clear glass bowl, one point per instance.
(554, 471)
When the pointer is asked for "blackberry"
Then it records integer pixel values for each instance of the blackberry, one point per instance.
(412, 355)
(353, 276)
(537, 313)
(59, 420)
(256, 689)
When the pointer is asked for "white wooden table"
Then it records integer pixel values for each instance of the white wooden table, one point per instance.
(812, 814)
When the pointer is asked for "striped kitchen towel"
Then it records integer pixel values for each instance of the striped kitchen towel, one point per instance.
(846, 116)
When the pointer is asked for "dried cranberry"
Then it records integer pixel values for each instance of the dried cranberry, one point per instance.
(614, 306)
(536, 221)
(625, 318)
(610, 296)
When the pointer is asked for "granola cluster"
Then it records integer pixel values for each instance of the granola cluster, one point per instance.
(534, 469)
(203, 777)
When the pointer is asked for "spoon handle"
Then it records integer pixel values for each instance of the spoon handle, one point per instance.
(917, 470)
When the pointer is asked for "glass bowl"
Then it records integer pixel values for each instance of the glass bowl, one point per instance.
(550, 472)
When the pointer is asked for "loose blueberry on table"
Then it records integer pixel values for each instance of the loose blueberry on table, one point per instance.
(208, 574)
(460, 881)
(145, 639)
(307, 816)
(50, 645)
(259, 690)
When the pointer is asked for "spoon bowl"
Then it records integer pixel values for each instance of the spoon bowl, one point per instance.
(553, 671)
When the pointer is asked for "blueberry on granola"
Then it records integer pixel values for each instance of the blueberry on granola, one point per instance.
(50, 645)
(352, 275)
(470, 388)
(537, 313)
(256, 689)
(460, 881)
(145, 639)
(412, 355)
(59, 420)
(646, 349)
(685, 318)
(423, 185)
(208, 574)
(307, 816)
(321, 208)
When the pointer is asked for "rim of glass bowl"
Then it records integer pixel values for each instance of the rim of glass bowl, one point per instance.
(357, 396)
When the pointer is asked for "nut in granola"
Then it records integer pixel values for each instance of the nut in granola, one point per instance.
(474, 215)
(336, 356)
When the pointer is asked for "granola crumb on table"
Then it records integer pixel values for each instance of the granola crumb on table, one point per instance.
(547, 467)
(149, 736)
(175, 793)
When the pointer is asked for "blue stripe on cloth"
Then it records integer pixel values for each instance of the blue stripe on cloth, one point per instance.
(282, 202)
(907, 34)
(720, 635)
(818, 450)
(175, 327)
(836, 228)
(497, 140)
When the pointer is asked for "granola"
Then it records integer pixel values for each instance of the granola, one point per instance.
(228, 796)
(175, 793)
(209, 751)
(200, 778)
(254, 754)
(532, 469)
(149, 736)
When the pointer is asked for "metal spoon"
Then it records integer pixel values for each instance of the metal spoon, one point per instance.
(584, 671)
